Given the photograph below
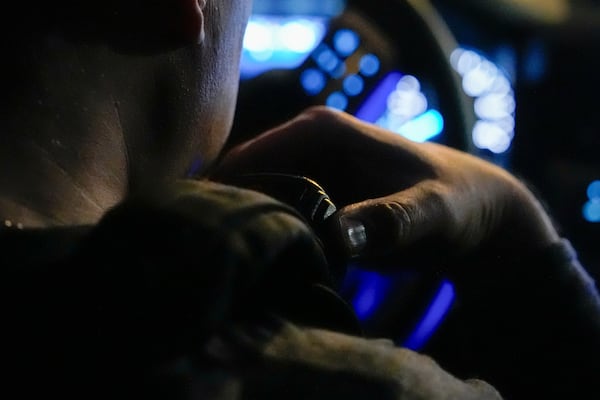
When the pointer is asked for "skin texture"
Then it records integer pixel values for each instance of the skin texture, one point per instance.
(92, 115)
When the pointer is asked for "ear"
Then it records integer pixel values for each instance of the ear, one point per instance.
(185, 20)
(178, 22)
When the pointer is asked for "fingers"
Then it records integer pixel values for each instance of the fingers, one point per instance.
(403, 223)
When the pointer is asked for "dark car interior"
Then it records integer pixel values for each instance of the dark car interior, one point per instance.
(514, 82)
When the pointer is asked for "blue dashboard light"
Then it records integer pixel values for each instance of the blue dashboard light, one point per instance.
(313, 81)
(376, 105)
(337, 100)
(593, 190)
(438, 308)
(353, 85)
(535, 64)
(346, 42)
(328, 8)
(591, 211)
(339, 70)
(369, 65)
(370, 294)
(326, 59)
(424, 127)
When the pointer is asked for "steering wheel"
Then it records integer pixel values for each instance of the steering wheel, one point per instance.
(407, 36)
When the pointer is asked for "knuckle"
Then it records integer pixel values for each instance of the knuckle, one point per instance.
(320, 114)
(403, 216)
(319, 119)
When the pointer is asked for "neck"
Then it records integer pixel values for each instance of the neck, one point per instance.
(63, 158)
(83, 124)
(48, 181)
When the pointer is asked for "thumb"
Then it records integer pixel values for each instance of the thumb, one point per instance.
(413, 223)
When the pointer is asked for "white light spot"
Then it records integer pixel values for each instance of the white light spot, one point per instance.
(465, 60)
(406, 101)
(502, 85)
(480, 79)
(491, 136)
(494, 102)
(495, 106)
(258, 37)
(298, 36)
(408, 83)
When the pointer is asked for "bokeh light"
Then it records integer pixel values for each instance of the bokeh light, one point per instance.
(494, 99)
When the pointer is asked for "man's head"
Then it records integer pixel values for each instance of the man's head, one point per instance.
(121, 92)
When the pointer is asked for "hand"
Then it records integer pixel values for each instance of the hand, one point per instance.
(397, 196)
(416, 201)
